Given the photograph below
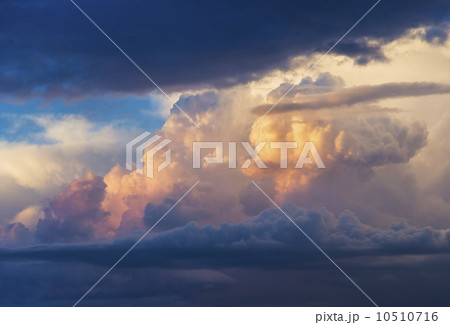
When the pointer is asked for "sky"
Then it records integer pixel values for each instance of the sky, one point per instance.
(375, 107)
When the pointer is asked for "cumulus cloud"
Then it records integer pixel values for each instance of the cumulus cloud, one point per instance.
(378, 141)
(344, 231)
(15, 234)
(365, 157)
(128, 202)
(271, 232)
(75, 215)
(324, 83)
(353, 147)
(58, 150)
(369, 141)
(224, 238)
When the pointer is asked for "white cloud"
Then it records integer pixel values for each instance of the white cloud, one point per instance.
(66, 149)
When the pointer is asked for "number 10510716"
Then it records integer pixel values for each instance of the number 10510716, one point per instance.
(407, 316)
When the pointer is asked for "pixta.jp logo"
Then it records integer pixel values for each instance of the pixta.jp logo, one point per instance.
(145, 153)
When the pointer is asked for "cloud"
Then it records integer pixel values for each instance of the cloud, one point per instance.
(62, 149)
(224, 244)
(324, 83)
(436, 34)
(30, 216)
(271, 232)
(370, 141)
(15, 234)
(297, 99)
(353, 147)
(362, 50)
(185, 48)
(130, 202)
(65, 146)
(378, 141)
(265, 257)
(197, 103)
(366, 157)
(75, 215)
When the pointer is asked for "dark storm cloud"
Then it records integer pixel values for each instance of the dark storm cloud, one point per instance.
(270, 239)
(58, 284)
(361, 51)
(49, 49)
(389, 283)
(264, 261)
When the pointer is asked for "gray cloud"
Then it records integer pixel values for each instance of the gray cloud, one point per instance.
(74, 214)
(184, 47)
(15, 234)
(265, 261)
(325, 83)
(270, 232)
(377, 141)
(298, 100)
